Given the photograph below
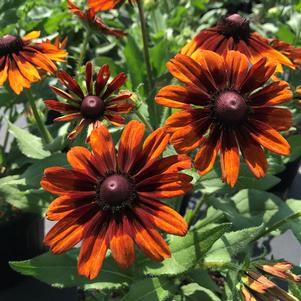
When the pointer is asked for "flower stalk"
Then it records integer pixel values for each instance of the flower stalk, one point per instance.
(41, 125)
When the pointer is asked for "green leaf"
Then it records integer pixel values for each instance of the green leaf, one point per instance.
(29, 144)
(231, 244)
(186, 251)
(295, 143)
(61, 271)
(251, 207)
(14, 191)
(135, 62)
(154, 289)
(33, 174)
(195, 292)
(295, 290)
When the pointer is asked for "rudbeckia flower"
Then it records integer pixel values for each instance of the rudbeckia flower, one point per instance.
(21, 59)
(224, 108)
(233, 33)
(293, 53)
(95, 105)
(89, 17)
(102, 5)
(109, 199)
(256, 285)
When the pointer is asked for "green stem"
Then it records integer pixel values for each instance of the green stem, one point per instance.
(196, 210)
(219, 265)
(83, 49)
(165, 113)
(144, 32)
(41, 125)
(144, 120)
(277, 225)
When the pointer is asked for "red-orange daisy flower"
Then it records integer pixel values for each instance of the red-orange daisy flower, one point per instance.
(224, 109)
(102, 5)
(20, 60)
(233, 33)
(293, 53)
(97, 104)
(95, 22)
(110, 199)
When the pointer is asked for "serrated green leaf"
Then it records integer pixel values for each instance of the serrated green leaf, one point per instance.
(231, 244)
(29, 144)
(195, 292)
(154, 289)
(61, 271)
(186, 251)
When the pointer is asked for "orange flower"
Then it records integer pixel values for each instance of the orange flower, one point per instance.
(93, 21)
(221, 100)
(109, 198)
(233, 33)
(102, 5)
(257, 287)
(294, 54)
(20, 58)
(97, 104)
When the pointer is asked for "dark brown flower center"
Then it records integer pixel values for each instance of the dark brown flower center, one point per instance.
(234, 26)
(116, 192)
(230, 108)
(10, 44)
(92, 107)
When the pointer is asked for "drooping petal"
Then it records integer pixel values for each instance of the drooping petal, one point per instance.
(27, 69)
(252, 153)
(121, 243)
(205, 158)
(162, 217)
(16, 80)
(94, 247)
(274, 94)
(65, 204)
(3, 70)
(268, 137)
(164, 186)
(64, 94)
(80, 126)
(60, 107)
(229, 156)
(279, 119)
(149, 240)
(69, 231)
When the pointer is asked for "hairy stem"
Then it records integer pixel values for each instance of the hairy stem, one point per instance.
(41, 125)
(196, 210)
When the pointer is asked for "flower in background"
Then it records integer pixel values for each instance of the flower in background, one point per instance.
(257, 285)
(95, 105)
(94, 21)
(233, 33)
(21, 59)
(109, 199)
(293, 53)
(58, 43)
(102, 5)
(225, 109)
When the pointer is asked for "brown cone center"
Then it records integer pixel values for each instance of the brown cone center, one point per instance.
(234, 26)
(115, 190)
(10, 44)
(92, 107)
(231, 108)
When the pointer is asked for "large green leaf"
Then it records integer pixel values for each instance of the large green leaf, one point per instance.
(195, 292)
(61, 271)
(29, 144)
(231, 244)
(33, 174)
(251, 207)
(153, 289)
(13, 189)
(186, 251)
